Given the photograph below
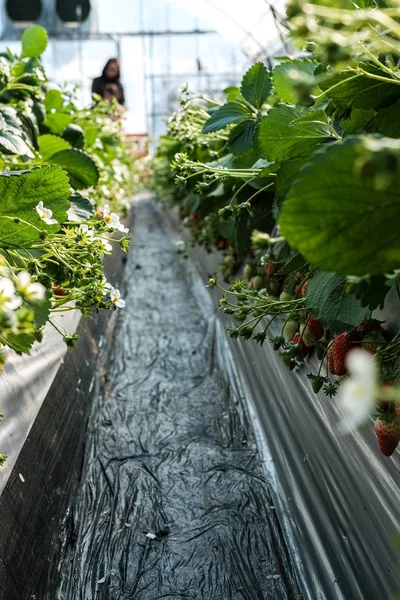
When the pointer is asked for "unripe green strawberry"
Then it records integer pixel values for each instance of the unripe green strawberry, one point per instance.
(248, 272)
(372, 341)
(273, 287)
(229, 261)
(286, 296)
(257, 282)
(290, 329)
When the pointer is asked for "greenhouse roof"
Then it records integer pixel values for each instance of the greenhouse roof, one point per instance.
(254, 26)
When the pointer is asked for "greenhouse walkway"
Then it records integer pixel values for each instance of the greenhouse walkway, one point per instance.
(173, 502)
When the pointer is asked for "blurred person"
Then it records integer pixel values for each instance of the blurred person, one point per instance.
(109, 77)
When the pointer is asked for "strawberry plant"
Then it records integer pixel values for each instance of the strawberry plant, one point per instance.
(294, 176)
(65, 172)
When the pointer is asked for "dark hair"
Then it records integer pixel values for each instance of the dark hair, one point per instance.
(108, 63)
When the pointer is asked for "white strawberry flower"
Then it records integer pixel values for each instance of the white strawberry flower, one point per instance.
(9, 300)
(105, 247)
(86, 233)
(116, 299)
(112, 220)
(28, 289)
(357, 394)
(45, 214)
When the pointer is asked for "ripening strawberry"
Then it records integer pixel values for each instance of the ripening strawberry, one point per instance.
(331, 362)
(388, 434)
(304, 349)
(340, 347)
(303, 288)
(271, 268)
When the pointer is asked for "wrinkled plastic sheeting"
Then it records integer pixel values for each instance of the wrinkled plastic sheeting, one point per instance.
(24, 384)
(336, 495)
(173, 502)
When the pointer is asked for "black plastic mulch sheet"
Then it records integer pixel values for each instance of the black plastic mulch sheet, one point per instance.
(173, 501)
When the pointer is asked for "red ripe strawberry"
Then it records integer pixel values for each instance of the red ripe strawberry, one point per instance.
(331, 362)
(271, 268)
(58, 291)
(304, 349)
(314, 328)
(340, 347)
(388, 434)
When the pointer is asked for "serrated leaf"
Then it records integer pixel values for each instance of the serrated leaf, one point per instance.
(10, 116)
(327, 299)
(286, 132)
(256, 85)
(19, 342)
(289, 75)
(82, 170)
(81, 208)
(34, 41)
(338, 218)
(51, 144)
(231, 112)
(241, 137)
(358, 121)
(20, 193)
(10, 143)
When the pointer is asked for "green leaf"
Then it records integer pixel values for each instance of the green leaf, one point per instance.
(256, 85)
(74, 135)
(232, 93)
(360, 91)
(19, 342)
(340, 216)
(231, 112)
(41, 310)
(20, 192)
(11, 119)
(292, 77)
(294, 263)
(388, 121)
(51, 144)
(57, 122)
(82, 170)
(81, 208)
(287, 173)
(358, 121)
(241, 136)
(34, 41)
(327, 299)
(53, 100)
(30, 127)
(286, 132)
(13, 144)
